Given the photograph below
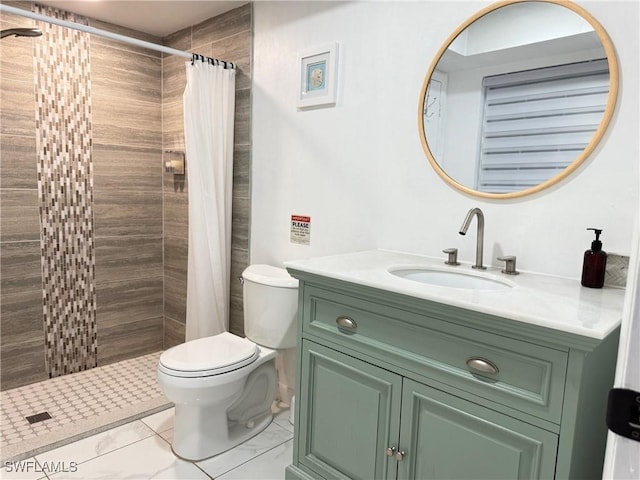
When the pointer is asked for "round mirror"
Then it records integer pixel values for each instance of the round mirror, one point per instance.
(517, 97)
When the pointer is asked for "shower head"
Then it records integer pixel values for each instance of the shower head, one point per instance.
(21, 32)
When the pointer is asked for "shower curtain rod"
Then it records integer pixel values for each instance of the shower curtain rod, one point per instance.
(104, 33)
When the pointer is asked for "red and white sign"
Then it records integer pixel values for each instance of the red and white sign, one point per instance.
(300, 229)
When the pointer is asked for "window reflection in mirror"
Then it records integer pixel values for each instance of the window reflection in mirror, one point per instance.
(518, 98)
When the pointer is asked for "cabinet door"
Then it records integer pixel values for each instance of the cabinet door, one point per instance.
(350, 414)
(445, 437)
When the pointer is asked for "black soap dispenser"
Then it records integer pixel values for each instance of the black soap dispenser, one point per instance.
(595, 261)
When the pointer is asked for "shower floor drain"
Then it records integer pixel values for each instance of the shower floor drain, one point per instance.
(38, 417)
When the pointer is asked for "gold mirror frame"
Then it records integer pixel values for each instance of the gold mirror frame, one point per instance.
(606, 118)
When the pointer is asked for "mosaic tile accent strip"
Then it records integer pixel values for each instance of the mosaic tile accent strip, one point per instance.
(616, 271)
(65, 184)
(78, 404)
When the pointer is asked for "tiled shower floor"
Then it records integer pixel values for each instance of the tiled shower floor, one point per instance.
(80, 404)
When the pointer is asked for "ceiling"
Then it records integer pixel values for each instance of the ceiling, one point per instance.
(156, 17)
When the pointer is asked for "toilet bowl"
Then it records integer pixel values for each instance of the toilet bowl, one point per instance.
(206, 378)
(223, 386)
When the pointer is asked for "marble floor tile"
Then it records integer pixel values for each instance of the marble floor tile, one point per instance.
(150, 458)
(167, 435)
(161, 421)
(141, 449)
(138, 449)
(282, 419)
(269, 438)
(267, 466)
(28, 469)
(96, 445)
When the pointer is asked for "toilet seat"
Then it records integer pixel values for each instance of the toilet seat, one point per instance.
(208, 356)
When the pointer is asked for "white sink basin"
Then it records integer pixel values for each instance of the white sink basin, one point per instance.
(451, 279)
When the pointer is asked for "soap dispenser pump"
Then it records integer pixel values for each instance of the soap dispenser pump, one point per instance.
(595, 261)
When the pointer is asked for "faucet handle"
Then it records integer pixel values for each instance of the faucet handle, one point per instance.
(453, 256)
(510, 264)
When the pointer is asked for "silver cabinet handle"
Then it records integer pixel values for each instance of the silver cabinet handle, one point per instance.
(390, 451)
(482, 365)
(400, 456)
(346, 322)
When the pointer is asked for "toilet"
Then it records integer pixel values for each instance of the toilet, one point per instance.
(223, 386)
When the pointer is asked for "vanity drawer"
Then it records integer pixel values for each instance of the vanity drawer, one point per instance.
(528, 377)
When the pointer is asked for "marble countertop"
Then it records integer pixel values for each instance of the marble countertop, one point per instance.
(553, 302)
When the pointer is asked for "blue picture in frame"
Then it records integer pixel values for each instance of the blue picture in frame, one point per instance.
(316, 76)
(318, 69)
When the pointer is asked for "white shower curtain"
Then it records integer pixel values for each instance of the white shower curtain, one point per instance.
(209, 106)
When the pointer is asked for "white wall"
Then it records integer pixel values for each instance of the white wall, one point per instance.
(359, 171)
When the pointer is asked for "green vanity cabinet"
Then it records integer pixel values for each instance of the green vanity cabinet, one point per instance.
(353, 414)
(456, 439)
(392, 386)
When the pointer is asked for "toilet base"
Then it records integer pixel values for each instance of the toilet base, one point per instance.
(203, 430)
(238, 434)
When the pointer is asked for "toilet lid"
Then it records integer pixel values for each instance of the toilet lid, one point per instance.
(269, 275)
(209, 355)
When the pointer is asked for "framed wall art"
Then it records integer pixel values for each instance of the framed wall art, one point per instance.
(318, 74)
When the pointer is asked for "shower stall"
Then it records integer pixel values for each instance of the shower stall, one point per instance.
(93, 230)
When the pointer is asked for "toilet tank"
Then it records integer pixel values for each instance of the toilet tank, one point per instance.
(270, 297)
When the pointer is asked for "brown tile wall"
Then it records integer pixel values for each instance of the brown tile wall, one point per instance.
(127, 162)
(140, 213)
(228, 37)
(22, 354)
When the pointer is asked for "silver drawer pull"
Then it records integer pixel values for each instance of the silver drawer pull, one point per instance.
(346, 322)
(482, 365)
(390, 451)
